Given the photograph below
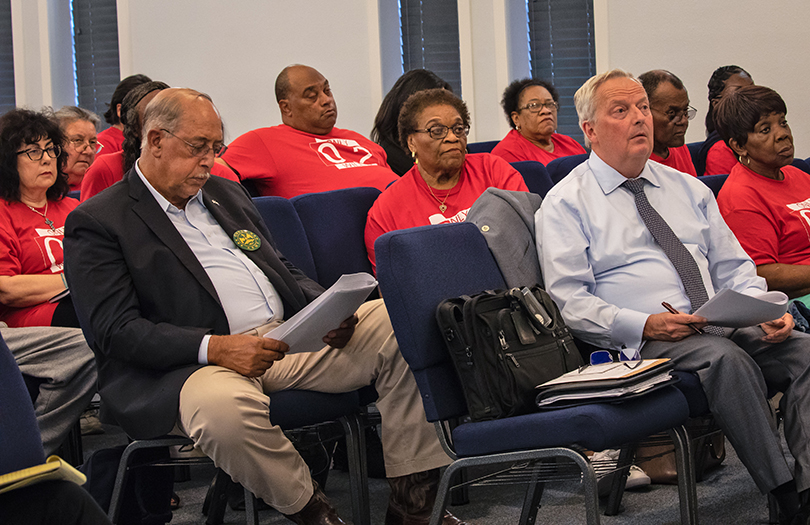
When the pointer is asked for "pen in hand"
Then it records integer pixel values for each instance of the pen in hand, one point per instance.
(671, 310)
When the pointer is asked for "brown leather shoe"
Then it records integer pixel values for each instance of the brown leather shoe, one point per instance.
(317, 511)
(412, 498)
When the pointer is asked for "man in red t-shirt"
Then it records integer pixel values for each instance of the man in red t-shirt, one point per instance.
(671, 111)
(307, 153)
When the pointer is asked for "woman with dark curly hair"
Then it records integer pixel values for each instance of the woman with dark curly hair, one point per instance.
(766, 201)
(385, 132)
(531, 107)
(33, 208)
(445, 180)
(718, 157)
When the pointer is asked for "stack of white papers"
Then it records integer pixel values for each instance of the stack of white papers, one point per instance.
(736, 310)
(304, 331)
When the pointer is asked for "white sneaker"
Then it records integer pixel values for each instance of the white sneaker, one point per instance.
(604, 464)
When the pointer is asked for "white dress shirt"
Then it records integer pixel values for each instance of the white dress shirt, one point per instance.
(246, 294)
(604, 269)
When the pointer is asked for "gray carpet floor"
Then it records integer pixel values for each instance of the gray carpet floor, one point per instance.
(726, 496)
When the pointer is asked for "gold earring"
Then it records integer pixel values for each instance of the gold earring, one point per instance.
(413, 156)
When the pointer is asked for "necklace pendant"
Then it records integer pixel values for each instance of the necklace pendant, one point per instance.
(442, 208)
(50, 224)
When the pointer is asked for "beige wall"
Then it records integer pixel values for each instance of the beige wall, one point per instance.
(692, 38)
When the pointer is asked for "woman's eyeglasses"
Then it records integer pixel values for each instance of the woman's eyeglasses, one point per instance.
(36, 154)
(439, 131)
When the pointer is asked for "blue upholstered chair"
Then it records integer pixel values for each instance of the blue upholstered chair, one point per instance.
(418, 268)
(535, 176)
(335, 224)
(801, 164)
(482, 147)
(559, 168)
(20, 442)
(288, 233)
(694, 152)
(715, 182)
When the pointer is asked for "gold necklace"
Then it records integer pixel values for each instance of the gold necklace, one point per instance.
(44, 215)
(442, 205)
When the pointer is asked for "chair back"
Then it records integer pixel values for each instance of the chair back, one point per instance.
(698, 161)
(801, 164)
(535, 176)
(482, 147)
(715, 182)
(335, 222)
(288, 233)
(559, 168)
(417, 269)
(20, 442)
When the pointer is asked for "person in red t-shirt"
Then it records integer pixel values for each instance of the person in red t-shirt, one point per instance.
(112, 139)
(531, 108)
(445, 181)
(724, 80)
(33, 208)
(766, 201)
(109, 169)
(307, 153)
(671, 111)
(81, 143)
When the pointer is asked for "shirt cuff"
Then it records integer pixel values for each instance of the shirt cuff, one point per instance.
(202, 353)
(628, 328)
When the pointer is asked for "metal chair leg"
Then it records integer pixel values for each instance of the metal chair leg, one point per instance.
(251, 509)
(531, 502)
(358, 469)
(684, 461)
(626, 455)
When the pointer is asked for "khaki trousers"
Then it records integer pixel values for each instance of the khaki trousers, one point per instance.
(227, 414)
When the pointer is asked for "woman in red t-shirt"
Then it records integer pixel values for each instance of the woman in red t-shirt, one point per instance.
(445, 180)
(531, 107)
(766, 201)
(33, 209)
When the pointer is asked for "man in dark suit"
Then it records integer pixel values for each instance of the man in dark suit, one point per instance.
(177, 277)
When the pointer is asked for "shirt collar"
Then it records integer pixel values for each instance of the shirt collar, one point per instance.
(164, 204)
(609, 179)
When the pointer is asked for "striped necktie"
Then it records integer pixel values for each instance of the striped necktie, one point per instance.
(674, 249)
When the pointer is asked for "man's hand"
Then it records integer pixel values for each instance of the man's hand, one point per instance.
(671, 327)
(248, 355)
(340, 337)
(777, 330)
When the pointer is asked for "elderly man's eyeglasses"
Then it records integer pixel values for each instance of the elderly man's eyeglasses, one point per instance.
(439, 131)
(201, 150)
(537, 107)
(36, 154)
(82, 144)
(672, 114)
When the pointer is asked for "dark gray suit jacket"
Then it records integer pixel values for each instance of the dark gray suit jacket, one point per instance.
(145, 300)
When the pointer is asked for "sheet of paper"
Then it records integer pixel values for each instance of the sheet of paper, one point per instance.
(736, 310)
(304, 331)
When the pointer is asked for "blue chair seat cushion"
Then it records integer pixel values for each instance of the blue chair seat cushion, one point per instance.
(594, 427)
(291, 409)
(690, 387)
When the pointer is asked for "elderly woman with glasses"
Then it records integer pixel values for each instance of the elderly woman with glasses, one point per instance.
(765, 200)
(81, 142)
(445, 180)
(33, 208)
(531, 107)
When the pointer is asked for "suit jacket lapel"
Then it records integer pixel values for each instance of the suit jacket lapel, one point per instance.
(149, 211)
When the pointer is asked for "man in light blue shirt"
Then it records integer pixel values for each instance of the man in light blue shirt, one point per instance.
(609, 276)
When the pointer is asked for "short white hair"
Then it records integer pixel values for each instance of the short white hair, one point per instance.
(585, 97)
